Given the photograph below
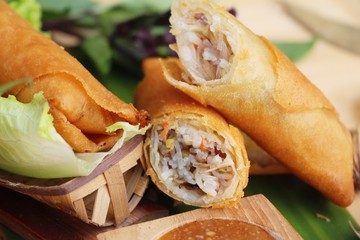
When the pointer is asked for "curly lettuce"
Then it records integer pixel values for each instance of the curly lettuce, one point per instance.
(30, 145)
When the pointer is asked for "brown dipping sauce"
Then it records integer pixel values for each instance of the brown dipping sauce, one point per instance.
(217, 229)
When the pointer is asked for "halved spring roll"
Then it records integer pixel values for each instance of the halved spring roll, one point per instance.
(255, 86)
(81, 106)
(192, 154)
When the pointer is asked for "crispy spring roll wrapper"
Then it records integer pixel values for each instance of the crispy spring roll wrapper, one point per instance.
(255, 86)
(81, 106)
(191, 153)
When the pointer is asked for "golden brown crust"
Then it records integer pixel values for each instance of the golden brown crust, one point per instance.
(312, 144)
(293, 91)
(69, 87)
(163, 102)
(269, 99)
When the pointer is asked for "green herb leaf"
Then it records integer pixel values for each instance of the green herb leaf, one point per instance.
(99, 51)
(121, 84)
(28, 9)
(71, 7)
(147, 7)
(295, 50)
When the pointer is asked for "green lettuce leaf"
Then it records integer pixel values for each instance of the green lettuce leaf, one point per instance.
(28, 9)
(95, 44)
(130, 131)
(30, 145)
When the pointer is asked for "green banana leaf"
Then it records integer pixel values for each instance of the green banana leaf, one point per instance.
(312, 215)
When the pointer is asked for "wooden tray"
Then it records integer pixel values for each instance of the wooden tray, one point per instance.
(105, 197)
(34, 220)
(253, 209)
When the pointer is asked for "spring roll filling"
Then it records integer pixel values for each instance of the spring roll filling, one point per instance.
(193, 160)
(209, 48)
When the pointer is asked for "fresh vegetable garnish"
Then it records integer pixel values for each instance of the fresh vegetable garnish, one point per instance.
(125, 32)
(28, 9)
(295, 51)
(31, 146)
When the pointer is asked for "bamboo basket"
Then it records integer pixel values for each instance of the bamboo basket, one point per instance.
(105, 197)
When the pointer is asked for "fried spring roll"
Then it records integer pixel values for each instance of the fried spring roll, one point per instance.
(192, 154)
(81, 106)
(255, 86)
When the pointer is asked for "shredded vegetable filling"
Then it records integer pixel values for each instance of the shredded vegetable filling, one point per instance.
(194, 159)
(211, 49)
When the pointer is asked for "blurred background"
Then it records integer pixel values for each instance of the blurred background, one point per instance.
(333, 62)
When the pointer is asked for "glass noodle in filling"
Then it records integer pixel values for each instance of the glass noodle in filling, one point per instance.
(192, 159)
(209, 48)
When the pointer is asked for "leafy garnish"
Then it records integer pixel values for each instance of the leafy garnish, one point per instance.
(28, 9)
(95, 45)
(295, 51)
(31, 146)
(122, 33)
(66, 8)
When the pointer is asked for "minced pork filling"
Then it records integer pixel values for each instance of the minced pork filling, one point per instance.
(193, 159)
(210, 48)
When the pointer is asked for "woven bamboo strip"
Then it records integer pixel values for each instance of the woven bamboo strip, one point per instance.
(134, 202)
(141, 186)
(117, 190)
(88, 188)
(133, 181)
(138, 192)
(80, 209)
(101, 206)
(130, 160)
